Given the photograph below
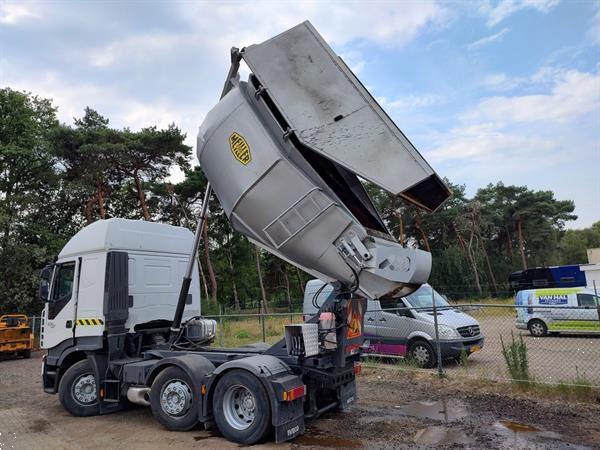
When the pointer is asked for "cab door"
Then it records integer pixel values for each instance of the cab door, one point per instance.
(59, 313)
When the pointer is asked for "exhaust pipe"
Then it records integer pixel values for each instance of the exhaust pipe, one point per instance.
(139, 395)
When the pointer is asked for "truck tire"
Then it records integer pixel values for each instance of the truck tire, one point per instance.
(77, 390)
(241, 408)
(537, 328)
(27, 353)
(173, 400)
(422, 353)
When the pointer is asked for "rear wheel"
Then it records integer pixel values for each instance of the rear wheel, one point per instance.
(27, 354)
(77, 390)
(241, 408)
(537, 328)
(422, 353)
(173, 401)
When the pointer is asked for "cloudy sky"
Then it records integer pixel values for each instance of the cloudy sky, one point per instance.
(487, 91)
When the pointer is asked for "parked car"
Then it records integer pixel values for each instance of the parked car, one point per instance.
(557, 310)
(410, 330)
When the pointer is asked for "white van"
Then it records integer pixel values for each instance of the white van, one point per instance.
(410, 331)
(559, 310)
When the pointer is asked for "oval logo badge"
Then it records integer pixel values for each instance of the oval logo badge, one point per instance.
(240, 148)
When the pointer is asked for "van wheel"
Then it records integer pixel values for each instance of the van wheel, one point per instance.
(173, 400)
(77, 390)
(422, 353)
(537, 328)
(241, 408)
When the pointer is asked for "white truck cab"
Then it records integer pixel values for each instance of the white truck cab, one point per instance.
(153, 257)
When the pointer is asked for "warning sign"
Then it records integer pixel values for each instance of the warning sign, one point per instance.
(240, 148)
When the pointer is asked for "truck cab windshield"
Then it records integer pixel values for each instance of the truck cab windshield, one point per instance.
(422, 298)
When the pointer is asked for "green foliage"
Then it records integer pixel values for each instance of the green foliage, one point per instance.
(574, 244)
(515, 356)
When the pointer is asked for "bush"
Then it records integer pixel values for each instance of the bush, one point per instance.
(515, 356)
(242, 334)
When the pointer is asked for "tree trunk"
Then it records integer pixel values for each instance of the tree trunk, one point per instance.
(264, 306)
(300, 283)
(203, 278)
(141, 195)
(423, 235)
(521, 243)
(509, 243)
(209, 265)
(489, 267)
(401, 239)
(236, 298)
(87, 210)
(474, 264)
(287, 285)
(101, 201)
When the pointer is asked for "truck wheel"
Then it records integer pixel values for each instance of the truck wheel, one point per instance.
(422, 353)
(241, 408)
(537, 328)
(173, 400)
(27, 354)
(77, 390)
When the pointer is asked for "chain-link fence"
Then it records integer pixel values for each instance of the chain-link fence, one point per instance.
(556, 343)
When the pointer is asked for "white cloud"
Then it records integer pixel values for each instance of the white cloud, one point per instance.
(411, 101)
(573, 94)
(488, 39)
(593, 33)
(11, 13)
(504, 8)
(501, 82)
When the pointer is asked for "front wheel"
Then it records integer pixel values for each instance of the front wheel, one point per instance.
(241, 408)
(537, 328)
(77, 390)
(422, 353)
(173, 401)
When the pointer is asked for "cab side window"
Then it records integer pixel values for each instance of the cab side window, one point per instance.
(62, 288)
(63, 284)
(586, 300)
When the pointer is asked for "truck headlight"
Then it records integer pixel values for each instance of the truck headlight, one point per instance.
(447, 332)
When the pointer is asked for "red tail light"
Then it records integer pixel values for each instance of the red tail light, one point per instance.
(293, 394)
(357, 368)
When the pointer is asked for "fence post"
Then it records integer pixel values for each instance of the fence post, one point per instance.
(264, 335)
(597, 302)
(438, 345)
(221, 325)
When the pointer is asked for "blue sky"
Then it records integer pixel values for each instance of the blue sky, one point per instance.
(487, 91)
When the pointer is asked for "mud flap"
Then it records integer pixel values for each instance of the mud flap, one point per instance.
(288, 420)
(347, 394)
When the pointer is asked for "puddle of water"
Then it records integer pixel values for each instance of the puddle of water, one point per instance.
(521, 434)
(443, 410)
(312, 439)
(441, 436)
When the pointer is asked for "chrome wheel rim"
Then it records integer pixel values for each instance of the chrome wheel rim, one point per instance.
(421, 354)
(239, 407)
(84, 390)
(176, 398)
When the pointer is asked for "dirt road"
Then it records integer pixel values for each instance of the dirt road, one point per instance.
(394, 410)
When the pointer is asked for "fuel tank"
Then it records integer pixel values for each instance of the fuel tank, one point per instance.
(284, 150)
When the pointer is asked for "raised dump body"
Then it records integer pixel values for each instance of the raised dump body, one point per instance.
(283, 153)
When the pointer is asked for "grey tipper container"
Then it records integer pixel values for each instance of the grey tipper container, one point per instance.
(291, 129)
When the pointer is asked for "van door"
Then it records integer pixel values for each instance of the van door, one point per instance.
(372, 316)
(590, 303)
(393, 328)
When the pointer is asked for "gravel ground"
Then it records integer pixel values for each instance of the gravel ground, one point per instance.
(395, 410)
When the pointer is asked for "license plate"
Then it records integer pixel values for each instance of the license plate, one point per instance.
(475, 348)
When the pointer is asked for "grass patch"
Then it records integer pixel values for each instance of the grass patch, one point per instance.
(515, 356)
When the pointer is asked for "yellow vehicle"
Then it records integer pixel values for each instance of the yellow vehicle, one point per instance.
(16, 335)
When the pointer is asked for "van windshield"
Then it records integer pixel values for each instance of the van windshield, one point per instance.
(422, 298)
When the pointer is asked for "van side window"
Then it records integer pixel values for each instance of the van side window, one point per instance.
(586, 300)
(404, 312)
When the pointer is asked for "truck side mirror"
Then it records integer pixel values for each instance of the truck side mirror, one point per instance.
(45, 277)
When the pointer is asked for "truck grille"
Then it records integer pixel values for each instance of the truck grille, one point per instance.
(470, 331)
